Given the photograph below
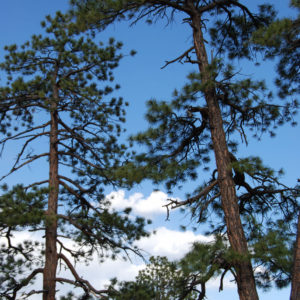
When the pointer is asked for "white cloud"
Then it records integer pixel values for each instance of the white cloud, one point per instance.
(166, 242)
(147, 207)
(171, 243)
(99, 275)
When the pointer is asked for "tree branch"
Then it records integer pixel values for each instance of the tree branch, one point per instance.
(72, 72)
(81, 198)
(25, 282)
(179, 58)
(35, 183)
(203, 193)
(25, 163)
(20, 134)
(84, 284)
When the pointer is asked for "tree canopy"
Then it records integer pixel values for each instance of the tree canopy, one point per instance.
(58, 101)
(58, 106)
(214, 108)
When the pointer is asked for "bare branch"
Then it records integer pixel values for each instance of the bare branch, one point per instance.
(17, 249)
(86, 162)
(224, 3)
(173, 4)
(84, 284)
(25, 163)
(179, 58)
(196, 132)
(35, 183)
(203, 193)
(25, 146)
(221, 280)
(63, 247)
(22, 133)
(25, 282)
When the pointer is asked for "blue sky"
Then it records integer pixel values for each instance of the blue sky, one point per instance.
(141, 79)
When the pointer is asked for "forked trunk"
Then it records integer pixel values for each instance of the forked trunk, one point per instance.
(49, 277)
(295, 292)
(236, 235)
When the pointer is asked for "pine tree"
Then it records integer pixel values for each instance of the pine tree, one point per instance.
(186, 278)
(212, 109)
(58, 93)
(159, 280)
(281, 40)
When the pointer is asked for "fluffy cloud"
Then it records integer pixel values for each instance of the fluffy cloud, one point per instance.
(147, 207)
(165, 242)
(171, 243)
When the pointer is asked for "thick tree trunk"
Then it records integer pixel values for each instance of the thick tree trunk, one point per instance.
(295, 292)
(49, 282)
(236, 235)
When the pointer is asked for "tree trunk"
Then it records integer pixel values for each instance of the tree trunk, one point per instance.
(236, 235)
(295, 292)
(49, 282)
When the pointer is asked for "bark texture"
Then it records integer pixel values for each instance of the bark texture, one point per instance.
(295, 292)
(49, 278)
(245, 278)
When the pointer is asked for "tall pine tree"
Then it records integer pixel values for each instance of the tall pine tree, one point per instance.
(58, 100)
(212, 110)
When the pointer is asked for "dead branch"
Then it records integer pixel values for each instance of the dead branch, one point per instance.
(63, 247)
(78, 280)
(25, 146)
(221, 280)
(179, 58)
(203, 193)
(187, 141)
(25, 163)
(79, 138)
(21, 133)
(17, 249)
(86, 162)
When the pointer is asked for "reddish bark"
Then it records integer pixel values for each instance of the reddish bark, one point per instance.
(49, 278)
(295, 292)
(245, 278)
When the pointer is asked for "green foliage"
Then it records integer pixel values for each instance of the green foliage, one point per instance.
(281, 40)
(179, 138)
(231, 37)
(273, 254)
(64, 80)
(162, 279)
(19, 209)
